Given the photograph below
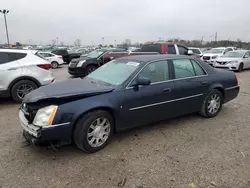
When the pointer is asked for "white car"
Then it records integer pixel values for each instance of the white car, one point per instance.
(235, 60)
(54, 59)
(196, 51)
(22, 71)
(210, 55)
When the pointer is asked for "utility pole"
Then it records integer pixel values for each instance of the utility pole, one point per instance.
(202, 39)
(102, 41)
(4, 11)
(215, 37)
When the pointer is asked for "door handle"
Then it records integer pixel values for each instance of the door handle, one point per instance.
(166, 90)
(204, 83)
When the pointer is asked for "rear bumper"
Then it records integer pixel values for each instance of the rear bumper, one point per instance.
(231, 93)
(39, 135)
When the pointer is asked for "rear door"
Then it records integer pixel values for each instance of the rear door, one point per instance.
(9, 68)
(171, 49)
(191, 84)
(150, 103)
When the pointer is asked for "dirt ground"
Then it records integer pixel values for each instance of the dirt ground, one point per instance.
(178, 153)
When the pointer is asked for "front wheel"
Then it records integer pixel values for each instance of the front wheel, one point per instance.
(90, 68)
(241, 67)
(93, 131)
(212, 104)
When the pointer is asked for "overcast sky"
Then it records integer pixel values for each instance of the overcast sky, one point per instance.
(139, 20)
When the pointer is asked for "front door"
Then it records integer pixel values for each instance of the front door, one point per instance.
(148, 104)
(191, 85)
(246, 60)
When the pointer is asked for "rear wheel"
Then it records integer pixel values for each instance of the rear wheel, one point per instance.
(241, 67)
(54, 65)
(21, 88)
(93, 131)
(212, 104)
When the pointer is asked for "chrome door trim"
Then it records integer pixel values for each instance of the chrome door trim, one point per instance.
(164, 102)
(229, 88)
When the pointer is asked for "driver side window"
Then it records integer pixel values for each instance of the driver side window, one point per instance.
(156, 71)
(247, 55)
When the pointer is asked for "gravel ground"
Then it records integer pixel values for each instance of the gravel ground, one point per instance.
(176, 153)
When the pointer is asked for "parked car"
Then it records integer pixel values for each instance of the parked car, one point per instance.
(196, 51)
(85, 65)
(122, 94)
(22, 71)
(54, 59)
(210, 55)
(166, 48)
(234, 60)
(67, 57)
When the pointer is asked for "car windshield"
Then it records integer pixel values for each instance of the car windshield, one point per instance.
(215, 51)
(195, 50)
(234, 54)
(95, 53)
(115, 72)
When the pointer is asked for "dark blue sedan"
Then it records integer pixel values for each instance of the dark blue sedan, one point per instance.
(122, 94)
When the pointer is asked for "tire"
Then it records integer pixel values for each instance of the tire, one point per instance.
(20, 86)
(241, 67)
(54, 65)
(90, 68)
(205, 111)
(86, 130)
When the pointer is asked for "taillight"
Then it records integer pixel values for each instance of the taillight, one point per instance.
(45, 66)
(60, 57)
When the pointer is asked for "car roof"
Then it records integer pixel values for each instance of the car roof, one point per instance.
(240, 51)
(15, 50)
(148, 58)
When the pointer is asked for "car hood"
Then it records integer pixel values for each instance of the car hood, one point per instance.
(211, 54)
(66, 89)
(81, 59)
(228, 59)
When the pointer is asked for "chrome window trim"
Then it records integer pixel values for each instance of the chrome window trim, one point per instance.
(164, 102)
(206, 74)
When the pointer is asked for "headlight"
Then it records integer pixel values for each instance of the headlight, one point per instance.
(232, 62)
(214, 57)
(45, 116)
(80, 63)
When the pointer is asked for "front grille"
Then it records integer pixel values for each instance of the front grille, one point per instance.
(29, 112)
(222, 62)
(206, 57)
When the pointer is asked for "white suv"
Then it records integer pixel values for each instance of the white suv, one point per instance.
(22, 71)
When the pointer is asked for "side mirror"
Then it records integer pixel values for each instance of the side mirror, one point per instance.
(142, 81)
(190, 52)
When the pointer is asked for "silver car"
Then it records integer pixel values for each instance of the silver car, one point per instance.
(22, 71)
(237, 60)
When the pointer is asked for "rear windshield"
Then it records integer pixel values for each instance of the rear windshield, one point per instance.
(39, 55)
(151, 48)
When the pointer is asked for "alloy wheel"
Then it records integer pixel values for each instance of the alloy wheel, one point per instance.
(214, 103)
(23, 90)
(98, 132)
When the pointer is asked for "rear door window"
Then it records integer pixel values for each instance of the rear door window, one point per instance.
(198, 70)
(183, 68)
(16, 56)
(171, 49)
(151, 48)
(3, 58)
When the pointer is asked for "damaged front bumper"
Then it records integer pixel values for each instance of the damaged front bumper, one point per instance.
(39, 135)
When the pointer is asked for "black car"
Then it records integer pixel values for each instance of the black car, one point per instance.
(85, 65)
(122, 94)
(67, 57)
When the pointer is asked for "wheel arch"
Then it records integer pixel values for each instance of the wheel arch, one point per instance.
(104, 108)
(219, 88)
(23, 78)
